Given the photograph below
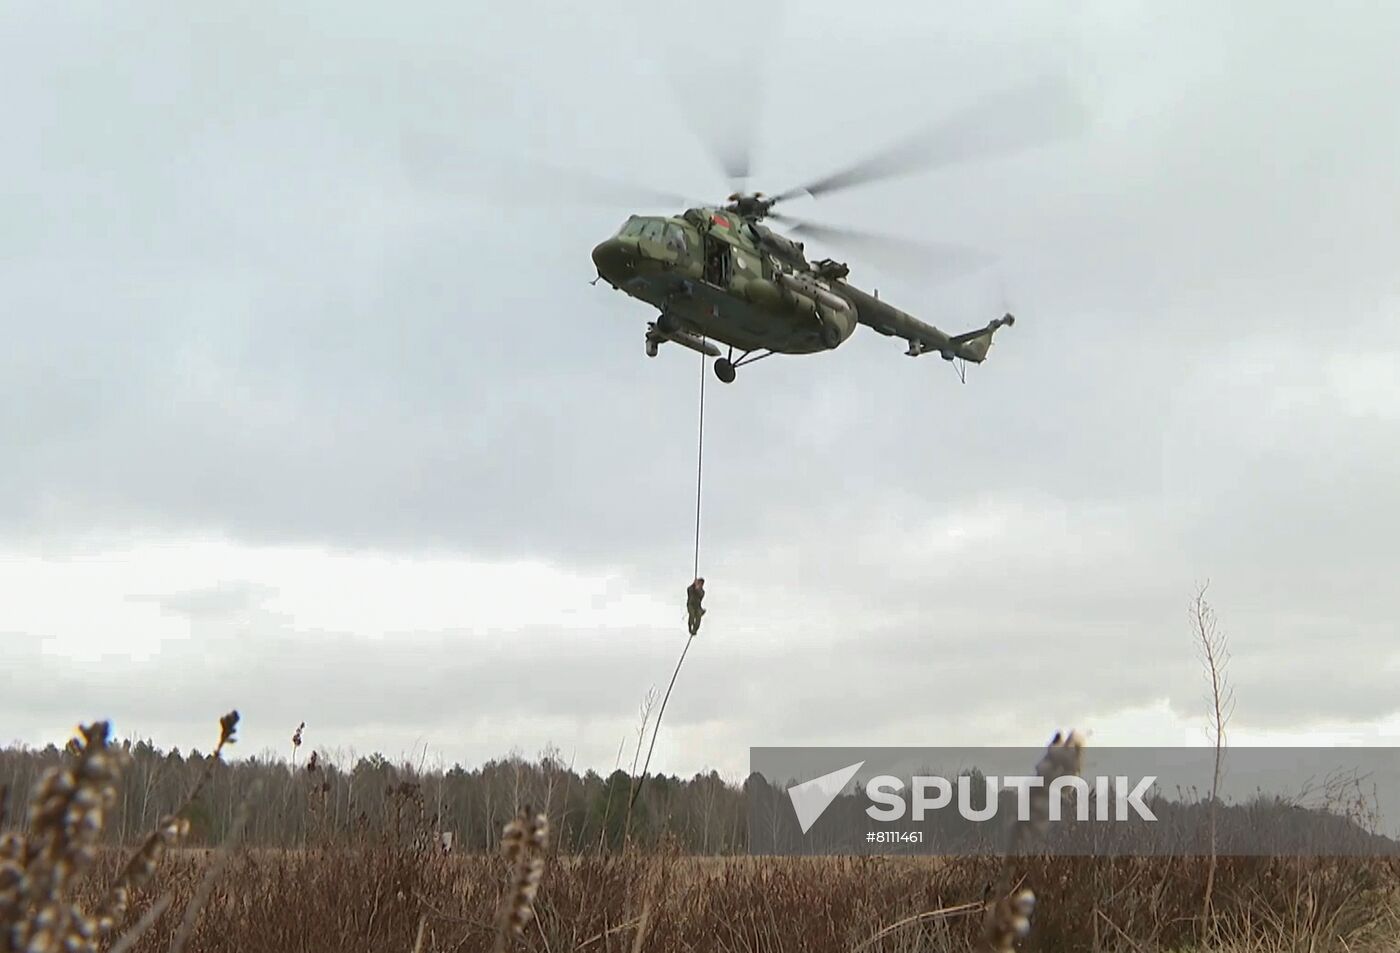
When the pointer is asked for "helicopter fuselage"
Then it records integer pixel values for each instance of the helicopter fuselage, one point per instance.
(711, 273)
(716, 275)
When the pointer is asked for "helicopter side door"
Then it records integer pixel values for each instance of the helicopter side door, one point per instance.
(719, 262)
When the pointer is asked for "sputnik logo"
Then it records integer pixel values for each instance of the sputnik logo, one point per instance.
(810, 799)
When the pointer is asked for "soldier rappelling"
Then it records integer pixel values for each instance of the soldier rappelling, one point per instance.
(694, 595)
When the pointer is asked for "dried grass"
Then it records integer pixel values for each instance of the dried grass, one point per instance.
(388, 886)
(43, 867)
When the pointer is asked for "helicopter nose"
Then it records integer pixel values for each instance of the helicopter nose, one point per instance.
(613, 260)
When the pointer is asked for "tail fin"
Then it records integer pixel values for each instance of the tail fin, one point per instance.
(973, 345)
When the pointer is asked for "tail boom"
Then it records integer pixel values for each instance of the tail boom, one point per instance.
(922, 337)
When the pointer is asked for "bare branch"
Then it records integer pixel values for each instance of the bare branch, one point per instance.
(1214, 653)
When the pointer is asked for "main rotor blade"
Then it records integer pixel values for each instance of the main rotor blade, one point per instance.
(1007, 123)
(434, 163)
(596, 189)
(936, 260)
(716, 77)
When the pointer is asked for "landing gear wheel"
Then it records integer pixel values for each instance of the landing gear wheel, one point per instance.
(831, 335)
(667, 323)
(724, 370)
(651, 348)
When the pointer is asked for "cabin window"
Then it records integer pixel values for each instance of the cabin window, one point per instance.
(675, 239)
(653, 230)
(631, 228)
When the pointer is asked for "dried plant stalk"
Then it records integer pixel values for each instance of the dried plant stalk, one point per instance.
(523, 842)
(1008, 910)
(67, 814)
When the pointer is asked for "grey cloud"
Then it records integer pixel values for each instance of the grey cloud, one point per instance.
(222, 601)
(349, 685)
(258, 290)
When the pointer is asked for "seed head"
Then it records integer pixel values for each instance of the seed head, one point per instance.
(523, 842)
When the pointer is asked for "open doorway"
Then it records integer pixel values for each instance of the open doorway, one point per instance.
(717, 262)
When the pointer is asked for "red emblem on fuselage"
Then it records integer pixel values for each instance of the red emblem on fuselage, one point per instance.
(720, 220)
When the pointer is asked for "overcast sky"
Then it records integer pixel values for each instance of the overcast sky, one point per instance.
(310, 410)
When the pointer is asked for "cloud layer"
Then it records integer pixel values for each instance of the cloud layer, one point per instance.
(265, 358)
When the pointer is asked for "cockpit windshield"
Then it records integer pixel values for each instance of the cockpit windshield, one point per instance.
(657, 230)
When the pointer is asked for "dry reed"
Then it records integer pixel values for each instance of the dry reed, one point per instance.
(523, 843)
(40, 867)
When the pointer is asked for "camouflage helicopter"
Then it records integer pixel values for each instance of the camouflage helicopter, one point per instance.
(717, 274)
(720, 274)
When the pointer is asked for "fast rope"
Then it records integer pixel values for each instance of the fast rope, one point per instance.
(699, 468)
(699, 473)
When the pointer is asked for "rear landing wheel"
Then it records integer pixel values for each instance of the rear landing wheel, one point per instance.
(724, 370)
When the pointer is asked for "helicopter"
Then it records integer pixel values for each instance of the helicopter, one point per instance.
(718, 274)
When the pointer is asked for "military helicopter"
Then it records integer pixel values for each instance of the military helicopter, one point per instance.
(719, 274)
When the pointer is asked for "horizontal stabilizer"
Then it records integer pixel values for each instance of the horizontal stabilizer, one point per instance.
(973, 345)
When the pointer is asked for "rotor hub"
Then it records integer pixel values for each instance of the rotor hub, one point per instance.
(750, 205)
(831, 269)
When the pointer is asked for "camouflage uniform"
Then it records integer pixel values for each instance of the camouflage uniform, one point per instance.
(694, 593)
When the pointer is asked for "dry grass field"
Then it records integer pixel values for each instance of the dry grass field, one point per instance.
(376, 898)
(388, 888)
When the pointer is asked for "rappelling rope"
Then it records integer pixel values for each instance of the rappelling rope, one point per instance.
(641, 779)
(699, 468)
(699, 472)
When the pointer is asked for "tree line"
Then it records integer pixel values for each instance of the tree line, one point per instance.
(312, 800)
(298, 802)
